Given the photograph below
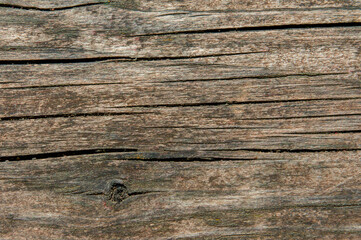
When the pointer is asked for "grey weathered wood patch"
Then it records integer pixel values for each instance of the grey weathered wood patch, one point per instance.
(171, 119)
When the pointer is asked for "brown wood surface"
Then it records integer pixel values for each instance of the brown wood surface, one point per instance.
(171, 119)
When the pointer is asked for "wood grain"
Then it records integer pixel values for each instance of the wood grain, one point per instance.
(106, 30)
(180, 119)
(183, 128)
(200, 5)
(241, 199)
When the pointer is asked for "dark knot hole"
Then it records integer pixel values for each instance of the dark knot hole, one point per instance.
(116, 191)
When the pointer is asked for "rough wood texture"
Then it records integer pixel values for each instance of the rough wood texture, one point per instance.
(275, 198)
(180, 119)
(109, 31)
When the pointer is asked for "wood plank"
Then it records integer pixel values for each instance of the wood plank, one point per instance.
(180, 128)
(250, 102)
(200, 5)
(106, 31)
(66, 197)
(333, 62)
(161, 119)
(56, 92)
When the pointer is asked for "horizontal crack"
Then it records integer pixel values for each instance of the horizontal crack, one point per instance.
(231, 103)
(257, 77)
(62, 85)
(15, 6)
(294, 9)
(200, 128)
(7, 83)
(300, 117)
(261, 119)
(328, 132)
(69, 115)
(65, 153)
(64, 61)
(102, 114)
(178, 81)
(191, 159)
(143, 192)
(115, 58)
(258, 28)
(190, 57)
(42, 156)
(285, 150)
(327, 205)
(129, 193)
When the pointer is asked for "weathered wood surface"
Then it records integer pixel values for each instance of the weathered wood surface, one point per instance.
(281, 196)
(109, 30)
(221, 119)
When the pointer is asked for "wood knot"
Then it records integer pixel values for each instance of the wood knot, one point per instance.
(116, 191)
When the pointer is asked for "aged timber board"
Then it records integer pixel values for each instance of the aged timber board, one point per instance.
(170, 119)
